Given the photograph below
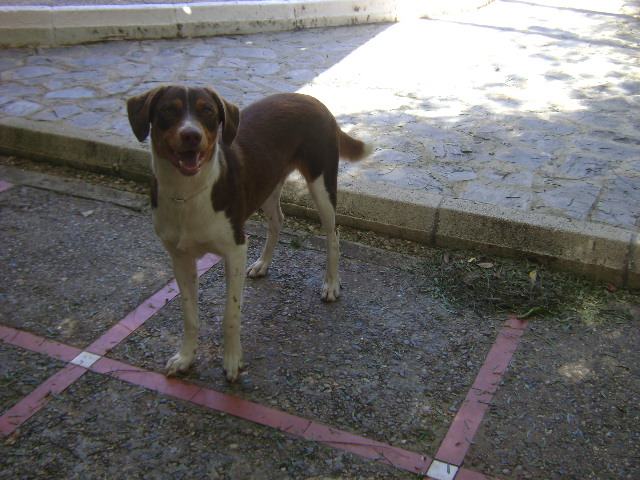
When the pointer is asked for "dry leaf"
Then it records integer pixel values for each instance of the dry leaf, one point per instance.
(11, 439)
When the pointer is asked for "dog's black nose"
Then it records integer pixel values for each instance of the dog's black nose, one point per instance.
(190, 137)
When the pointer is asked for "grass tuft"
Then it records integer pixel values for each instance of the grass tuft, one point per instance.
(496, 286)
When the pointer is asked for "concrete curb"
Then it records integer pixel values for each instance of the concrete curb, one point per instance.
(65, 25)
(594, 250)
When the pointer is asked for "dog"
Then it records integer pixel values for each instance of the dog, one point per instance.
(213, 167)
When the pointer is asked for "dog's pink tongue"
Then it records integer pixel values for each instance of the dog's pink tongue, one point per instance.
(189, 162)
(189, 159)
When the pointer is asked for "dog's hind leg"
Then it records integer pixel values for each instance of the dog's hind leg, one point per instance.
(327, 211)
(271, 208)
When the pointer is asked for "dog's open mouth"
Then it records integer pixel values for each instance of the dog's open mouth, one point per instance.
(188, 162)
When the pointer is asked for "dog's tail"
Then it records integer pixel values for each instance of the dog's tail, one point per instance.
(353, 149)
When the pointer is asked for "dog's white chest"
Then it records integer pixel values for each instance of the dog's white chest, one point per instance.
(192, 226)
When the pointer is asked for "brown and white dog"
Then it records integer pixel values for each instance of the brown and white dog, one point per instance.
(213, 167)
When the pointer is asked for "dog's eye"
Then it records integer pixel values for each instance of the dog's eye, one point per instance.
(169, 110)
(208, 111)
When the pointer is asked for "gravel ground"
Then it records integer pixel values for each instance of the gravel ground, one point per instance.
(21, 372)
(357, 364)
(569, 406)
(392, 360)
(79, 274)
(150, 436)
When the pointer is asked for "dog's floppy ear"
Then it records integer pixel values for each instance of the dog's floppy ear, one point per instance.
(139, 111)
(229, 117)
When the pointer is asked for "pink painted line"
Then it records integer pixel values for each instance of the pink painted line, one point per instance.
(144, 312)
(268, 417)
(206, 262)
(133, 320)
(32, 403)
(464, 474)
(459, 438)
(38, 344)
(397, 457)
(251, 411)
(4, 185)
(294, 425)
(452, 451)
(176, 388)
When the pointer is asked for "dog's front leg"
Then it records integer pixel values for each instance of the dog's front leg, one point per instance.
(235, 266)
(185, 270)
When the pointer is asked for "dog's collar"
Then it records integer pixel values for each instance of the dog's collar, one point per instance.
(181, 199)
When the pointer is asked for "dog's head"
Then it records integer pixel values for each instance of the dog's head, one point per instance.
(184, 123)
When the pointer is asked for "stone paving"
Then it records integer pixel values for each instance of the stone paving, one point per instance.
(529, 105)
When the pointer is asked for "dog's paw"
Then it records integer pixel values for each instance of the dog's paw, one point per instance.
(232, 364)
(258, 269)
(178, 364)
(330, 291)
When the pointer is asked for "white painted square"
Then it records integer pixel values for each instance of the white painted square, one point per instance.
(86, 359)
(442, 471)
